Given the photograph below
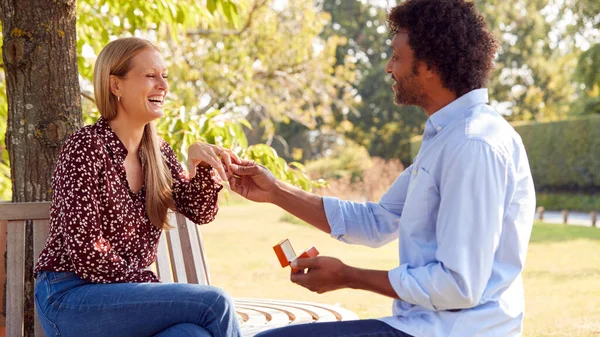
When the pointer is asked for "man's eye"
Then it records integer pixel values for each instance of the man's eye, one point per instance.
(150, 75)
(165, 76)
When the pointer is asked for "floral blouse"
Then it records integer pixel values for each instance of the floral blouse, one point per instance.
(99, 228)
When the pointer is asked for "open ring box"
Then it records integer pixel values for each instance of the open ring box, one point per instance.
(286, 255)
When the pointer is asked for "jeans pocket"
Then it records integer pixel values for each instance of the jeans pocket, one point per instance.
(57, 277)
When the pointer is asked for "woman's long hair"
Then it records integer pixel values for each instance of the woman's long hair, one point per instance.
(115, 59)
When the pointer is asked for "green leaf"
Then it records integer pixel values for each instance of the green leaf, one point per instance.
(211, 6)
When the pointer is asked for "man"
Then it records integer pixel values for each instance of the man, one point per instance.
(463, 211)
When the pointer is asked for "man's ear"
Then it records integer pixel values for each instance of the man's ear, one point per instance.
(115, 83)
(428, 71)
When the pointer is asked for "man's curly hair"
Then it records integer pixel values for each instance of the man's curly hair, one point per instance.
(451, 37)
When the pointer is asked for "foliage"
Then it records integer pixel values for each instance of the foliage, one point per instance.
(586, 28)
(370, 183)
(533, 71)
(571, 201)
(5, 184)
(346, 160)
(587, 73)
(564, 155)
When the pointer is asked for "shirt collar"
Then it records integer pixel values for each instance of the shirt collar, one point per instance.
(454, 111)
(114, 145)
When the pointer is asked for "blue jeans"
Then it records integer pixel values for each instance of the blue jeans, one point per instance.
(69, 306)
(358, 328)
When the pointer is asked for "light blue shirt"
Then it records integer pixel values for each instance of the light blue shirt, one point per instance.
(463, 212)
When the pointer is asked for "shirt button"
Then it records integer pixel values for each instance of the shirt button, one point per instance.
(439, 128)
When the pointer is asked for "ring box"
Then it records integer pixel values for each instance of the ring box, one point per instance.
(286, 255)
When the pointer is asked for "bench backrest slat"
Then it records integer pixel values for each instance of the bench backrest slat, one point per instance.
(24, 210)
(175, 253)
(163, 268)
(189, 250)
(198, 263)
(15, 278)
(203, 264)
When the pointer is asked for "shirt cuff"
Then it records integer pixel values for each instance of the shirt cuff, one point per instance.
(207, 178)
(335, 218)
(398, 279)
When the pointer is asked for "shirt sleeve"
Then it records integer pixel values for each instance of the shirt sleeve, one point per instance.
(369, 223)
(76, 194)
(196, 198)
(473, 189)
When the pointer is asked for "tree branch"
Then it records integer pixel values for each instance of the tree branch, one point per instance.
(88, 95)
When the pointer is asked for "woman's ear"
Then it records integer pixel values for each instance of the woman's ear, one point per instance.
(115, 85)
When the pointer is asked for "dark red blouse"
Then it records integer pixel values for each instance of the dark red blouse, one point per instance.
(99, 228)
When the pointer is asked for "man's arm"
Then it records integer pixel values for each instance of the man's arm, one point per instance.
(327, 273)
(371, 224)
(304, 205)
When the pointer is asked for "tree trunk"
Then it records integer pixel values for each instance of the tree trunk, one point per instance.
(42, 85)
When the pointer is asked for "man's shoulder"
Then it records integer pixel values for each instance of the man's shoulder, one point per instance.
(486, 125)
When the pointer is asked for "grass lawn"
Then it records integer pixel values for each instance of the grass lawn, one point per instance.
(562, 274)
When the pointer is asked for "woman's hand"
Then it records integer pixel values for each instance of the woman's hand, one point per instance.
(205, 155)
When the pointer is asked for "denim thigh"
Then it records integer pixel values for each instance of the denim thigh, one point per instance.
(70, 306)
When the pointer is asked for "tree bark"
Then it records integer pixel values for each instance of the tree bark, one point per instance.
(42, 85)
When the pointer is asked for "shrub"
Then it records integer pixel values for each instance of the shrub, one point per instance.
(374, 182)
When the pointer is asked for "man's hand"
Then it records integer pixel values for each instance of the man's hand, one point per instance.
(324, 274)
(252, 181)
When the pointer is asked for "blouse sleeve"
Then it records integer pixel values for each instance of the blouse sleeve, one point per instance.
(76, 196)
(196, 198)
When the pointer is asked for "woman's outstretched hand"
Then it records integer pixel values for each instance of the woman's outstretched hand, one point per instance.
(217, 157)
(252, 181)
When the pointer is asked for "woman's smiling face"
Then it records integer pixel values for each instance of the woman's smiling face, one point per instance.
(143, 89)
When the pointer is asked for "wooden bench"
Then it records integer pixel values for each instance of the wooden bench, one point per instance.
(180, 258)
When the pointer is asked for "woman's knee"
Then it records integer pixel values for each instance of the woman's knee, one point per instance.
(215, 298)
(222, 299)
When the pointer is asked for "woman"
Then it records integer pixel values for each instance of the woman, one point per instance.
(113, 184)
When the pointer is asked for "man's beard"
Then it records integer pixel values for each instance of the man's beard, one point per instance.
(408, 91)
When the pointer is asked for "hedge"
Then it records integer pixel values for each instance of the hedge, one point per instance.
(564, 155)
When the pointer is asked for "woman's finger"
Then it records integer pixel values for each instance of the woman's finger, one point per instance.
(226, 158)
(234, 156)
(216, 164)
(191, 168)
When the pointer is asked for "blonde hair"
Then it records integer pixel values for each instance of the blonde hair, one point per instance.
(115, 59)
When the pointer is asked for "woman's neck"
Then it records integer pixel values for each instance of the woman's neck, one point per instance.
(128, 132)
